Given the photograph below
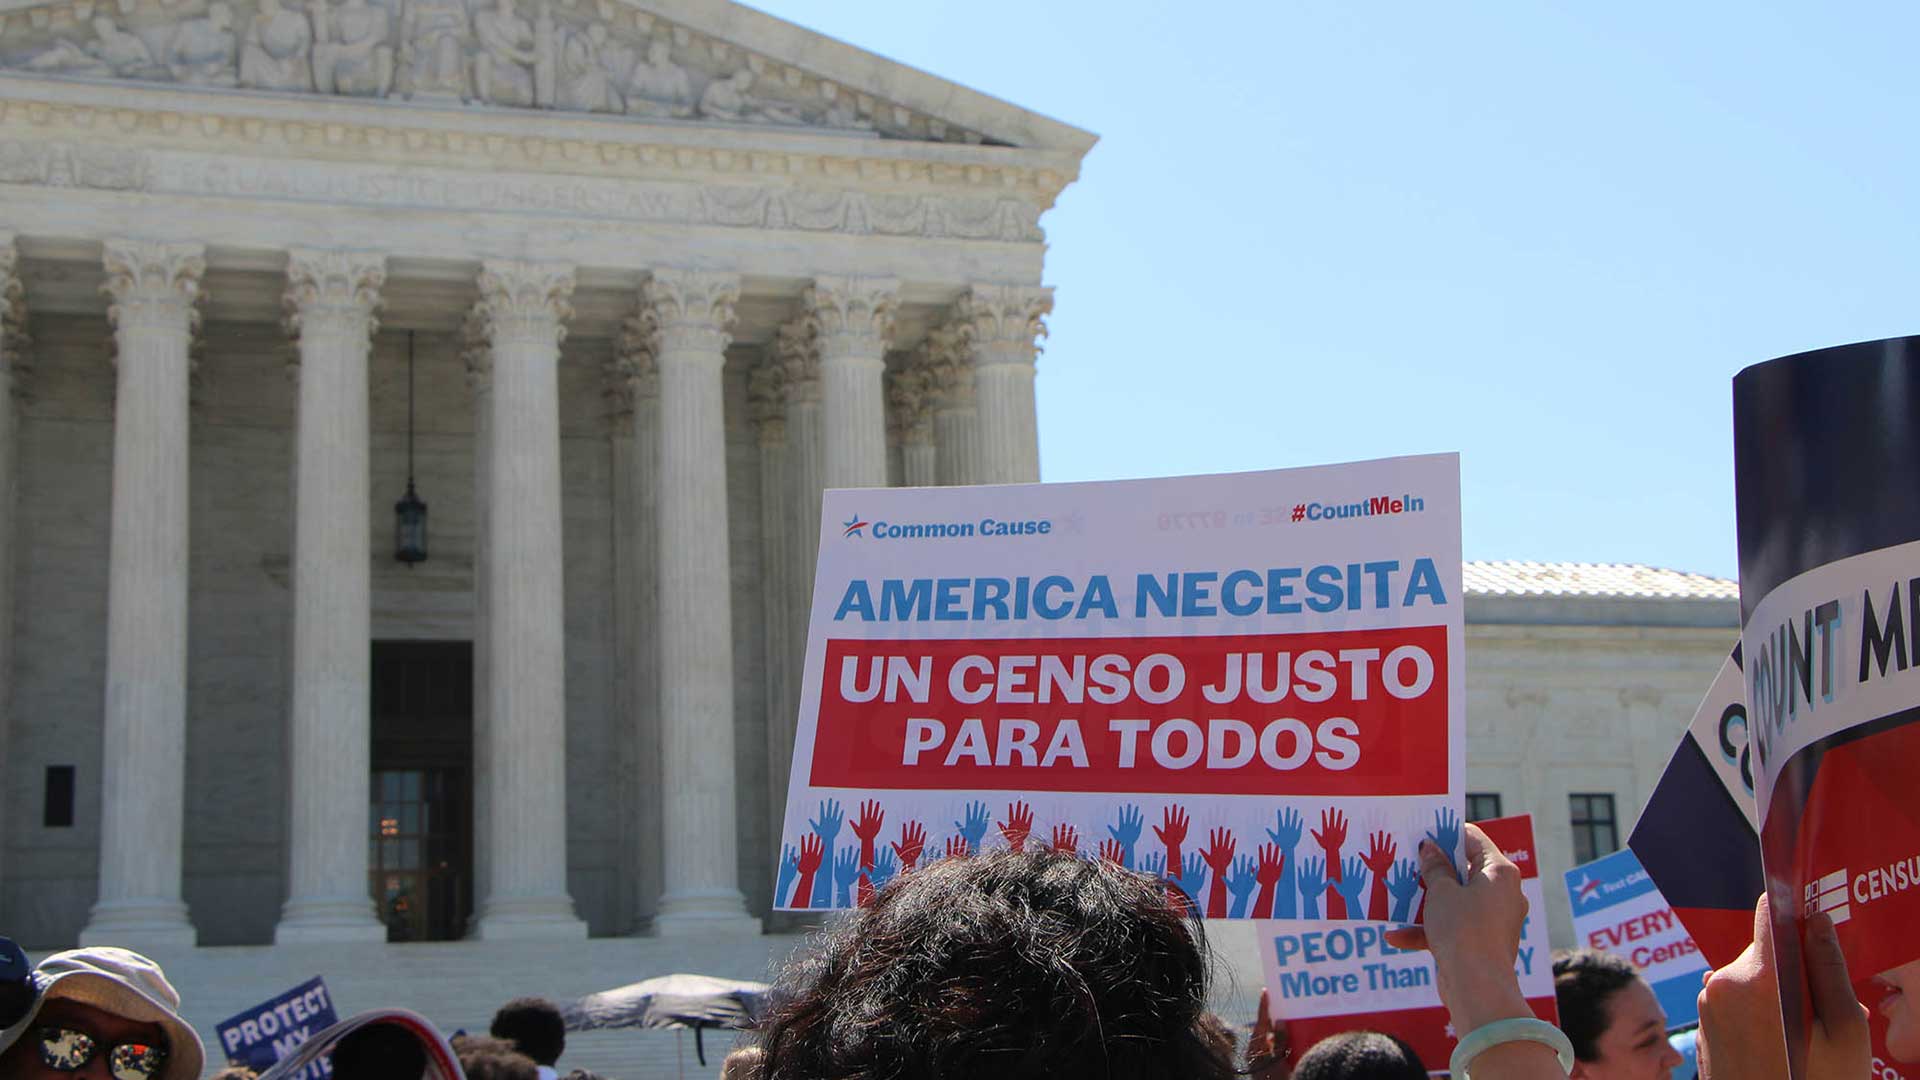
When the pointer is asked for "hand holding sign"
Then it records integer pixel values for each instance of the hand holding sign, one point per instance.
(1740, 1011)
(1473, 930)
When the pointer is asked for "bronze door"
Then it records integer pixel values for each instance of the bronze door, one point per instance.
(420, 842)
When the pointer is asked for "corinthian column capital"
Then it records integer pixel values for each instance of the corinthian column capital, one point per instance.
(153, 283)
(689, 310)
(852, 316)
(943, 356)
(526, 303)
(632, 375)
(1003, 321)
(13, 314)
(796, 349)
(476, 352)
(333, 292)
(910, 393)
(767, 399)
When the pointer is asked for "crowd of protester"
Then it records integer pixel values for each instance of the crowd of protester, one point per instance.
(1015, 964)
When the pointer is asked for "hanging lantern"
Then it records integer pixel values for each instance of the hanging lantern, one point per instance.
(410, 513)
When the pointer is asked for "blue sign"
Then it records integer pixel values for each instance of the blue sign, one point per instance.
(1618, 909)
(271, 1030)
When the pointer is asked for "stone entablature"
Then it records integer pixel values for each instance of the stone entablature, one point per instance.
(597, 56)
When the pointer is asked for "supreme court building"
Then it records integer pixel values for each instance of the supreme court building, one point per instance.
(620, 285)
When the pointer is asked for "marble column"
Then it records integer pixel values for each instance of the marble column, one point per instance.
(767, 407)
(852, 319)
(956, 421)
(1003, 321)
(154, 287)
(799, 363)
(477, 354)
(691, 312)
(634, 386)
(13, 375)
(526, 306)
(909, 392)
(331, 298)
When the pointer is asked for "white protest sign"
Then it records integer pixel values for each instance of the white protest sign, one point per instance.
(1249, 683)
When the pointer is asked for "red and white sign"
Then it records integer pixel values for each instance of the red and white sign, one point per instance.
(1325, 978)
(1250, 684)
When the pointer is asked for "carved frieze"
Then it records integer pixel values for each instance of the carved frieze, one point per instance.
(540, 54)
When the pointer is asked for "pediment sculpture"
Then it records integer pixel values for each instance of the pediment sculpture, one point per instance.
(593, 57)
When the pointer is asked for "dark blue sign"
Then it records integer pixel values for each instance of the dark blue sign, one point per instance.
(275, 1028)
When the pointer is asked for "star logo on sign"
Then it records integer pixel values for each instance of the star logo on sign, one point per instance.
(1452, 1034)
(1587, 887)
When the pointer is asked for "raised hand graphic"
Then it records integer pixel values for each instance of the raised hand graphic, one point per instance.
(1111, 851)
(1331, 836)
(867, 828)
(1287, 838)
(957, 847)
(913, 840)
(1126, 829)
(1446, 833)
(812, 849)
(975, 827)
(1272, 862)
(1193, 874)
(1240, 884)
(1313, 882)
(1352, 885)
(1066, 838)
(1404, 884)
(826, 827)
(1219, 859)
(875, 878)
(789, 869)
(1172, 832)
(846, 870)
(1154, 864)
(1379, 860)
(1018, 826)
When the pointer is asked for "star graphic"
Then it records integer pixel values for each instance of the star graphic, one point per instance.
(852, 521)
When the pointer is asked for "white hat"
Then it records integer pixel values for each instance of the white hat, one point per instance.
(123, 984)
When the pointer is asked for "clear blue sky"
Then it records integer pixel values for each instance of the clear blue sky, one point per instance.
(1543, 235)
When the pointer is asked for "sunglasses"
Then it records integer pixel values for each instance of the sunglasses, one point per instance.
(69, 1050)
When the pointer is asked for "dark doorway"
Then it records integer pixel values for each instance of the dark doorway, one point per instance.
(420, 843)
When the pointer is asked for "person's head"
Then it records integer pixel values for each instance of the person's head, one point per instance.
(1359, 1055)
(236, 1071)
(101, 1012)
(1901, 1011)
(1616, 1025)
(379, 1051)
(493, 1059)
(534, 1027)
(1007, 964)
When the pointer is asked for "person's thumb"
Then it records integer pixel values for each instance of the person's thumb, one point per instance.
(1834, 1002)
(1436, 868)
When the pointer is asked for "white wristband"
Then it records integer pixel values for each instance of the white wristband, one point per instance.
(1513, 1029)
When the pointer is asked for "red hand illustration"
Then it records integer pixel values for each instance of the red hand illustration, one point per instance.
(1379, 860)
(1066, 838)
(1272, 861)
(811, 850)
(1332, 834)
(1172, 832)
(867, 827)
(1112, 851)
(863, 892)
(1018, 825)
(913, 840)
(1219, 859)
(956, 846)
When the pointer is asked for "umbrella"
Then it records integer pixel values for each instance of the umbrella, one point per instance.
(671, 1001)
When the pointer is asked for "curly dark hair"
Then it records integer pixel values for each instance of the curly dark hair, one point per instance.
(1360, 1055)
(1584, 981)
(1010, 965)
(534, 1027)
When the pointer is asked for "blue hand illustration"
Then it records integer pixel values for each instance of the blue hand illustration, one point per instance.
(1192, 876)
(975, 828)
(883, 869)
(1404, 884)
(1446, 832)
(1126, 830)
(1312, 883)
(846, 871)
(789, 869)
(826, 827)
(1352, 886)
(1154, 863)
(1240, 885)
(1287, 837)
